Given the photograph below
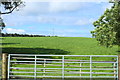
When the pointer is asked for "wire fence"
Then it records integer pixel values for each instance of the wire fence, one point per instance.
(62, 66)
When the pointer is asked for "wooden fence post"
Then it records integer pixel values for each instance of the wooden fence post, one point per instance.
(4, 66)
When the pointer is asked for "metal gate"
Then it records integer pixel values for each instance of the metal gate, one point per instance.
(62, 66)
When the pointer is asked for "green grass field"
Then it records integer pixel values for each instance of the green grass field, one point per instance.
(56, 45)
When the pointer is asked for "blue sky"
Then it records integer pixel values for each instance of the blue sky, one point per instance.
(68, 19)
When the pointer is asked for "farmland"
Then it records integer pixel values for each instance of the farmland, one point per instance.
(55, 45)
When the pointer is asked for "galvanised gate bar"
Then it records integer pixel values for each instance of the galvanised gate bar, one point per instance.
(62, 66)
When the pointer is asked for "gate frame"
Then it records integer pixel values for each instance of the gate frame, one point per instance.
(6, 58)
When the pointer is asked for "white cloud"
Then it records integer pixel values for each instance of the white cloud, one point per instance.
(46, 19)
(35, 8)
(66, 0)
(39, 8)
(84, 21)
(64, 6)
(18, 20)
(66, 30)
(60, 31)
(107, 6)
(52, 19)
(61, 20)
(42, 12)
(11, 30)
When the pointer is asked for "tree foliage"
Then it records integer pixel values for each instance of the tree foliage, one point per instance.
(22, 35)
(7, 7)
(10, 5)
(107, 27)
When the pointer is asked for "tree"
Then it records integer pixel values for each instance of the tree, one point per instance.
(7, 7)
(107, 27)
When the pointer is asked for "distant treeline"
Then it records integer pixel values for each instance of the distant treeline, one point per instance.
(21, 35)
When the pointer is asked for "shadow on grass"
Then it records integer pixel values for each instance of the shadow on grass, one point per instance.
(8, 43)
(118, 51)
(34, 51)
